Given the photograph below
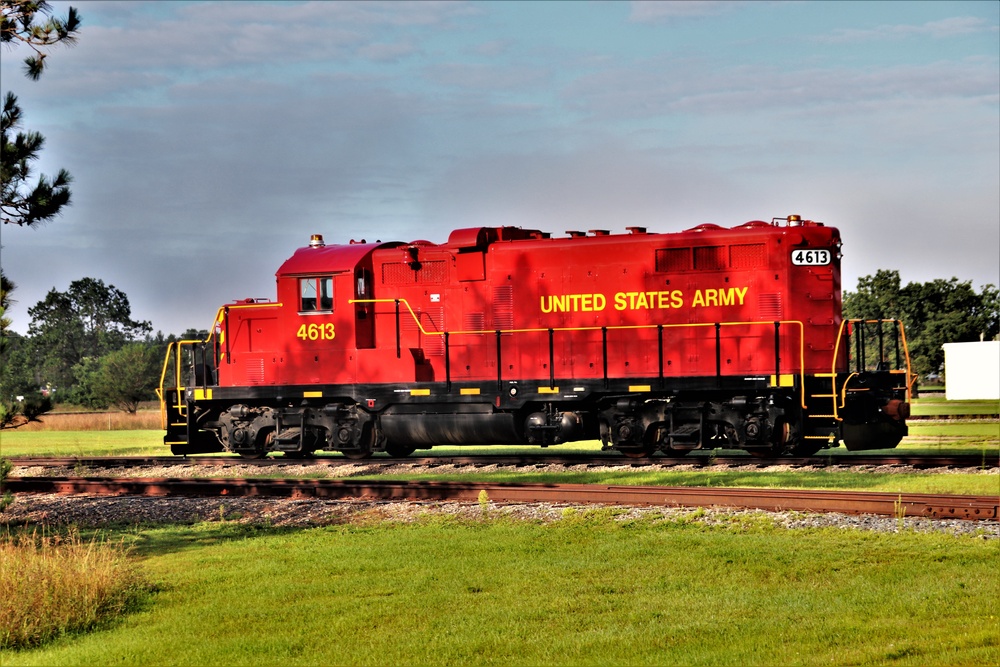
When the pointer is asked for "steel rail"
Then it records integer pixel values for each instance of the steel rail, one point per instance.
(847, 502)
(982, 461)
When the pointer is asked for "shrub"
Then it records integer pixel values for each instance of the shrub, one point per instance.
(56, 585)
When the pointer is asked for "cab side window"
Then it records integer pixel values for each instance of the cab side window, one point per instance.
(315, 294)
(326, 293)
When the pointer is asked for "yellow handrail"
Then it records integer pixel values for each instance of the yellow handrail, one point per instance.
(176, 348)
(842, 393)
(478, 332)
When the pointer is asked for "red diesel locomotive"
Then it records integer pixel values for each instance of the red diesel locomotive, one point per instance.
(707, 338)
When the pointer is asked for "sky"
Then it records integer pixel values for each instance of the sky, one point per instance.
(207, 140)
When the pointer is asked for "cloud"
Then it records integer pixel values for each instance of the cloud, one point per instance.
(387, 52)
(493, 48)
(698, 86)
(604, 184)
(655, 11)
(957, 26)
(488, 77)
(194, 40)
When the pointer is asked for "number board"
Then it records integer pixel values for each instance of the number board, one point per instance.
(811, 257)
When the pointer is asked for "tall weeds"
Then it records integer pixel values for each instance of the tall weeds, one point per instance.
(52, 585)
(97, 421)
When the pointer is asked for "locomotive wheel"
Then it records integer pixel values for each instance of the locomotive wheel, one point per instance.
(638, 452)
(356, 454)
(399, 451)
(258, 454)
(365, 445)
(781, 436)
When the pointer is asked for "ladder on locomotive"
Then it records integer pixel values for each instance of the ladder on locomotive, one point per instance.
(172, 390)
(869, 349)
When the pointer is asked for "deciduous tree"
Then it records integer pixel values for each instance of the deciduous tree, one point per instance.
(933, 313)
(90, 319)
(127, 376)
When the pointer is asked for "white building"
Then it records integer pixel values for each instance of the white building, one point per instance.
(972, 370)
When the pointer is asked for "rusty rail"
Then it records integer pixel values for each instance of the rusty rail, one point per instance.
(983, 461)
(847, 502)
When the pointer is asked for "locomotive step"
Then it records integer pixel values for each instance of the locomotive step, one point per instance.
(289, 434)
(688, 434)
(288, 440)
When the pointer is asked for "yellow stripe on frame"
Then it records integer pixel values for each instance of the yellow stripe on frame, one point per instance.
(202, 394)
(469, 391)
(420, 392)
(548, 390)
(312, 394)
(639, 387)
(783, 381)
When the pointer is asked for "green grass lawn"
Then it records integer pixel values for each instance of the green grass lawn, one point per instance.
(955, 429)
(82, 443)
(939, 405)
(587, 590)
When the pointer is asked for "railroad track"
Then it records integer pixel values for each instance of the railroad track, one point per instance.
(989, 461)
(886, 504)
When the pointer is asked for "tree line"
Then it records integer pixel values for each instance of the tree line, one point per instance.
(933, 313)
(82, 348)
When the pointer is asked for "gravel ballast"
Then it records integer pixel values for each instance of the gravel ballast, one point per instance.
(95, 511)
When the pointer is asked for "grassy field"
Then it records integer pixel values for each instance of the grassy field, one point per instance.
(939, 405)
(20, 442)
(950, 436)
(585, 590)
(95, 421)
